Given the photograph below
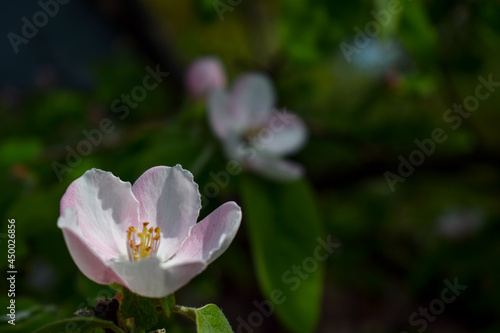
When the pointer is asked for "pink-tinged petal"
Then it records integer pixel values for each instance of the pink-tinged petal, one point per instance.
(275, 168)
(210, 237)
(87, 257)
(169, 199)
(220, 117)
(252, 100)
(205, 75)
(261, 161)
(207, 241)
(150, 278)
(105, 207)
(285, 133)
(249, 105)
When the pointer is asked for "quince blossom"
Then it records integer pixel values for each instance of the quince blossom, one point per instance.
(143, 236)
(252, 132)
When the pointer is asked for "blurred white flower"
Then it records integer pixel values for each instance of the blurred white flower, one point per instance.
(252, 132)
(379, 56)
(459, 223)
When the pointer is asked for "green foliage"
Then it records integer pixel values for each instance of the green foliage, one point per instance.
(142, 309)
(19, 150)
(211, 319)
(84, 325)
(284, 226)
(417, 32)
(167, 304)
(360, 119)
(30, 315)
(208, 319)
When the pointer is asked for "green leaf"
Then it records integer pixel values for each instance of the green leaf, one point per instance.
(79, 324)
(211, 319)
(142, 309)
(208, 319)
(284, 228)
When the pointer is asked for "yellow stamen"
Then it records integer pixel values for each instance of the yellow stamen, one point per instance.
(145, 245)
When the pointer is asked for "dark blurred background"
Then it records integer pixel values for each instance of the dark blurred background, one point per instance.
(365, 100)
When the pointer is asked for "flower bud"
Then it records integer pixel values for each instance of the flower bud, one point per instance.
(204, 75)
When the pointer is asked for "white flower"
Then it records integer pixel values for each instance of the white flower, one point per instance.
(143, 236)
(252, 132)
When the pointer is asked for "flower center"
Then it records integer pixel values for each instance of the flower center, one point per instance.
(252, 135)
(143, 244)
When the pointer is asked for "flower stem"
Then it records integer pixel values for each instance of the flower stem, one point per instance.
(185, 311)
